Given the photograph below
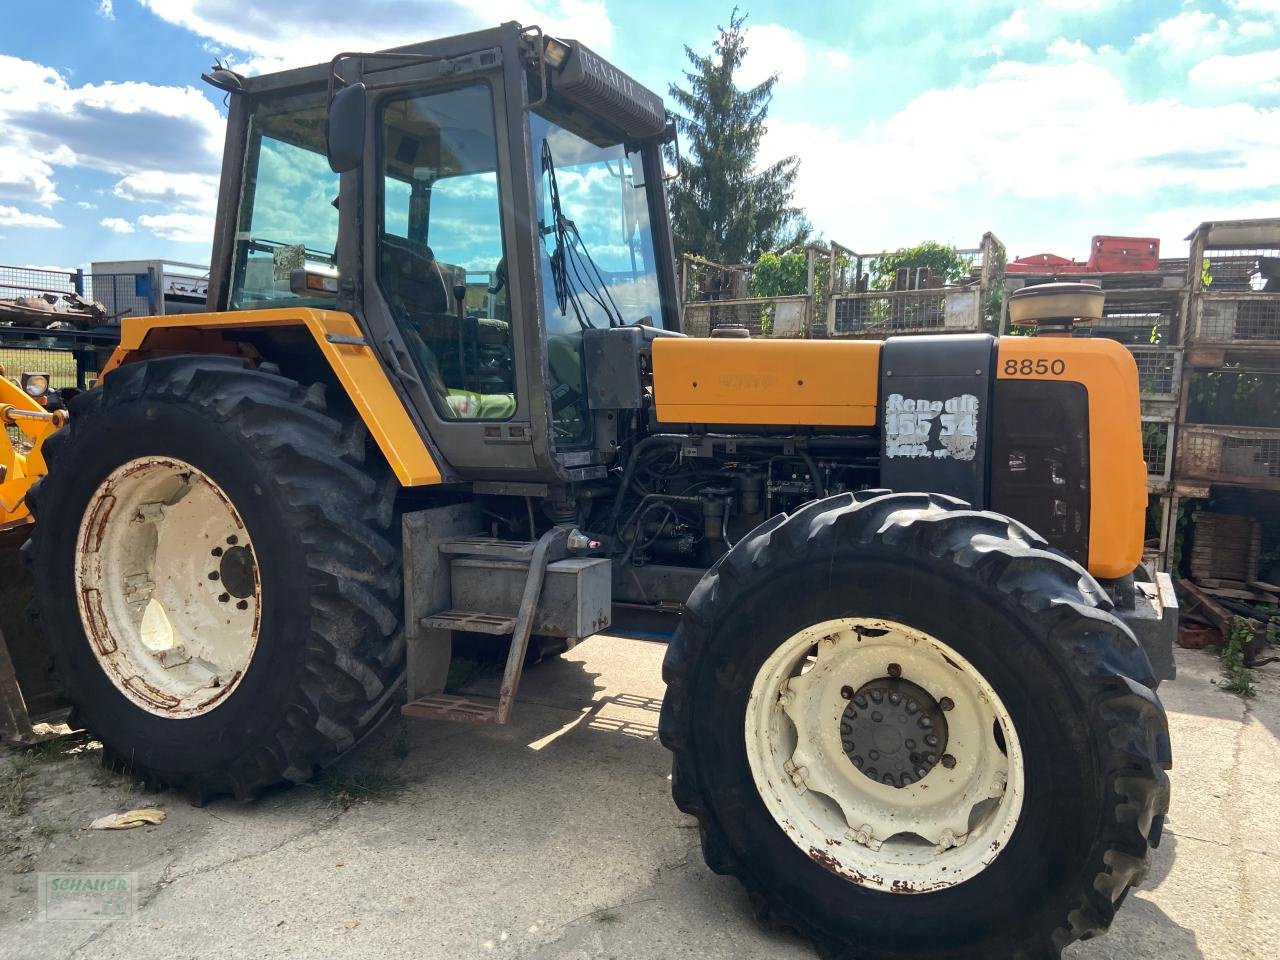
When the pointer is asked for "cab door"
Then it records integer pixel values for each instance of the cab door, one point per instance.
(441, 285)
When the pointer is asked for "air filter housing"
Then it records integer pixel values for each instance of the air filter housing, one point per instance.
(1056, 307)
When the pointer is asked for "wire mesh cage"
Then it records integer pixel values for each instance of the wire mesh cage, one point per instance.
(32, 281)
(1230, 455)
(761, 316)
(1157, 372)
(1227, 318)
(890, 312)
(1155, 447)
(1248, 269)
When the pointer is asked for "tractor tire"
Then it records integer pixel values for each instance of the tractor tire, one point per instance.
(979, 618)
(217, 569)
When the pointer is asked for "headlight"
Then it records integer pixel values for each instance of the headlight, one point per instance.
(36, 384)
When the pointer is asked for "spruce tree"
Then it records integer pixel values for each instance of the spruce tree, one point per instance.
(722, 207)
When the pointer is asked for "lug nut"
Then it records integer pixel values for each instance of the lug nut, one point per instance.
(895, 670)
(213, 574)
(946, 703)
(217, 551)
(232, 540)
(948, 761)
(224, 597)
(242, 605)
(846, 692)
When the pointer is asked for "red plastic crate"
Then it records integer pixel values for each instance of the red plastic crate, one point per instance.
(1123, 254)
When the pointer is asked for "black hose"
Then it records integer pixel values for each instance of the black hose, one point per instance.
(819, 489)
(630, 469)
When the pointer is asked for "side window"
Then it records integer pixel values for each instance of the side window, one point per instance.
(442, 265)
(287, 217)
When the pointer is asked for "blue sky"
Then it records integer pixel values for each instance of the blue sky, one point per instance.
(1045, 124)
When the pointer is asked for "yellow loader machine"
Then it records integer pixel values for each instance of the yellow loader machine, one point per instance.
(443, 391)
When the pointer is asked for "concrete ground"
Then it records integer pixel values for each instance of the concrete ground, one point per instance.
(556, 838)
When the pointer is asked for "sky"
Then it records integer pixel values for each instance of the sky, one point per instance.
(1045, 123)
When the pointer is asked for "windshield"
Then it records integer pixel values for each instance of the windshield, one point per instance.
(596, 254)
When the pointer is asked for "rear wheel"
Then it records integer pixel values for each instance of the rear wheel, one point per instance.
(217, 570)
(912, 730)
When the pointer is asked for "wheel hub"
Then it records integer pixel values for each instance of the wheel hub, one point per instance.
(168, 586)
(884, 754)
(893, 731)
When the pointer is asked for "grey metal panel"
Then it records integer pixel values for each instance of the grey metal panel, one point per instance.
(613, 367)
(935, 414)
(576, 595)
(426, 590)
(1154, 621)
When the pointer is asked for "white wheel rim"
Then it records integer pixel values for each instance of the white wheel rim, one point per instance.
(934, 832)
(168, 587)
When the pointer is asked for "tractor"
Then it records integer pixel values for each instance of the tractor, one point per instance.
(442, 393)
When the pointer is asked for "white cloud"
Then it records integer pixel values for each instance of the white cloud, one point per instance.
(1192, 31)
(836, 59)
(117, 225)
(164, 142)
(118, 127)
(1065, 49)
(950, 147)
(179, 227)
(107, 9)
(295, 32)
(24, 176)
(86, 205)
(190, 190)
(772, 48)
(1255, 29)
(1264, 7)
(1015, 28)
(13, 217)
(1247, 72)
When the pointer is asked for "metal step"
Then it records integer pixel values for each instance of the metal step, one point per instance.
(488, 547)
(469, 621)
(448, 706)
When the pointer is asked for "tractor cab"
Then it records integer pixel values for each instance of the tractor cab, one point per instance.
(478, 204)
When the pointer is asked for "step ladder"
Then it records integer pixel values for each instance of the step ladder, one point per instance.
(439, 705)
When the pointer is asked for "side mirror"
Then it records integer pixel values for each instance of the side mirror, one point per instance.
(344, 128)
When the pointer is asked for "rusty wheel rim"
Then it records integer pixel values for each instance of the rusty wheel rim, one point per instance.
(168, 587)
(885, 755)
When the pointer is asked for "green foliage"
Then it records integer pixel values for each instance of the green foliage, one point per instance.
(723, 207)
(941, 259)
(780, 274)
(1206, 278)
(1238, 677)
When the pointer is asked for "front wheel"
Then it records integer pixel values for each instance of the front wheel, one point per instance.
(912, 730)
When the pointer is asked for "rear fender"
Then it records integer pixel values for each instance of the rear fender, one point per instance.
(339, 340)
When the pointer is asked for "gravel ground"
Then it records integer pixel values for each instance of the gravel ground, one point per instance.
(555, 837)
